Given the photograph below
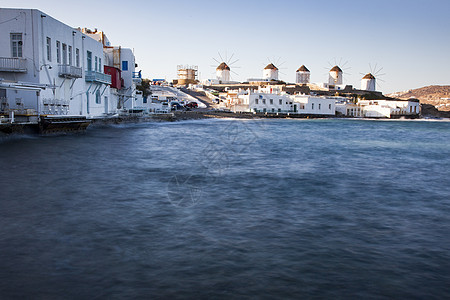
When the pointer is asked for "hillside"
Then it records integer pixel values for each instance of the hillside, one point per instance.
(436, 95)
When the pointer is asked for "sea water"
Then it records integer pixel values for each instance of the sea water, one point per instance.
(228, 209)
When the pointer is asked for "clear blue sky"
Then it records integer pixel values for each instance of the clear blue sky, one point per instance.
(409, 39)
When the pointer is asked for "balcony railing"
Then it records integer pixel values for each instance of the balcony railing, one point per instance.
(137, 77)
(13, 64)
(69, 71)
(93, 76)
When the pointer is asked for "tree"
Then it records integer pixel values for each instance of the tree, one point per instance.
(144, 87)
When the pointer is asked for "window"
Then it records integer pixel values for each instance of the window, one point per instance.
(281, 101)
(16, 45)
(312, 105)
(96, 64)
(144, 100)
(256, 101)
(99, 64)
(319, 106)
(49, 49)
(98, 99)
(64, 54)
(273, 109)
(264, 101)
(279, 110)
(271, 101)
(77, 57)
(124, 65)
(89, 60)
(70, 55)
(329, 106)
(58, 52)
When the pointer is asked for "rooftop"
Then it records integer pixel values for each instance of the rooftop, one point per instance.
(223, 66)
(303, 69)
(369, 76)
(336, 69)
(270, 67)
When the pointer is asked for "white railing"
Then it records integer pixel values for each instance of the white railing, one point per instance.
(93, 76)
(13, 64)
(55, 106)
(70, 71)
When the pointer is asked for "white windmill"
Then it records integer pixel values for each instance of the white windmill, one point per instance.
(369, 80)
(223, 70)
(270, 72)
(335, 76)
(302, 75)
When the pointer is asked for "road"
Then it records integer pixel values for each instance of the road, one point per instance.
(200, 97)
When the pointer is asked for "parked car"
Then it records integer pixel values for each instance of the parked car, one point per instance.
(192, 105)
(176, 106)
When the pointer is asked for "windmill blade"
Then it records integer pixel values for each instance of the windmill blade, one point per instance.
(234, 62)
(378, 72)
(231, 57)
(216, 60)
(234, 73)
(378, 79)
(220, 56)
(344, 64)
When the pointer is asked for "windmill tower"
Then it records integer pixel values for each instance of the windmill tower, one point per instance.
(368, 82)
(335, 76)
(270, 72)
(302, 76)
(223, 72)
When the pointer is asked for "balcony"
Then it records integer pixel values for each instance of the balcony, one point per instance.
(13, 64)
(68, 71)
(97, 77)
(137, 77)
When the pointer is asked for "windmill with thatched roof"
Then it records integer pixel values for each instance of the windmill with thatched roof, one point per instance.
(368, 82)
(270, 72)
(223, 72)
(335, 76)
(302, 76)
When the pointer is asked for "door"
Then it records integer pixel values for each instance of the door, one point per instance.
(89, 61)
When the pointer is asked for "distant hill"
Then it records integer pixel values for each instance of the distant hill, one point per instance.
(436, 95)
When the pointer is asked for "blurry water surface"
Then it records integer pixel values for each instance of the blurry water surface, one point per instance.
(228, 209)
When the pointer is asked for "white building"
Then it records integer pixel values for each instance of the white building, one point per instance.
(379, 108)
(121, 64)
(314, 105)
(390, 108)
(368, 82)
(302, 76)
(272, 100)
(335, 76)
(270, 72)
(41, 52)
